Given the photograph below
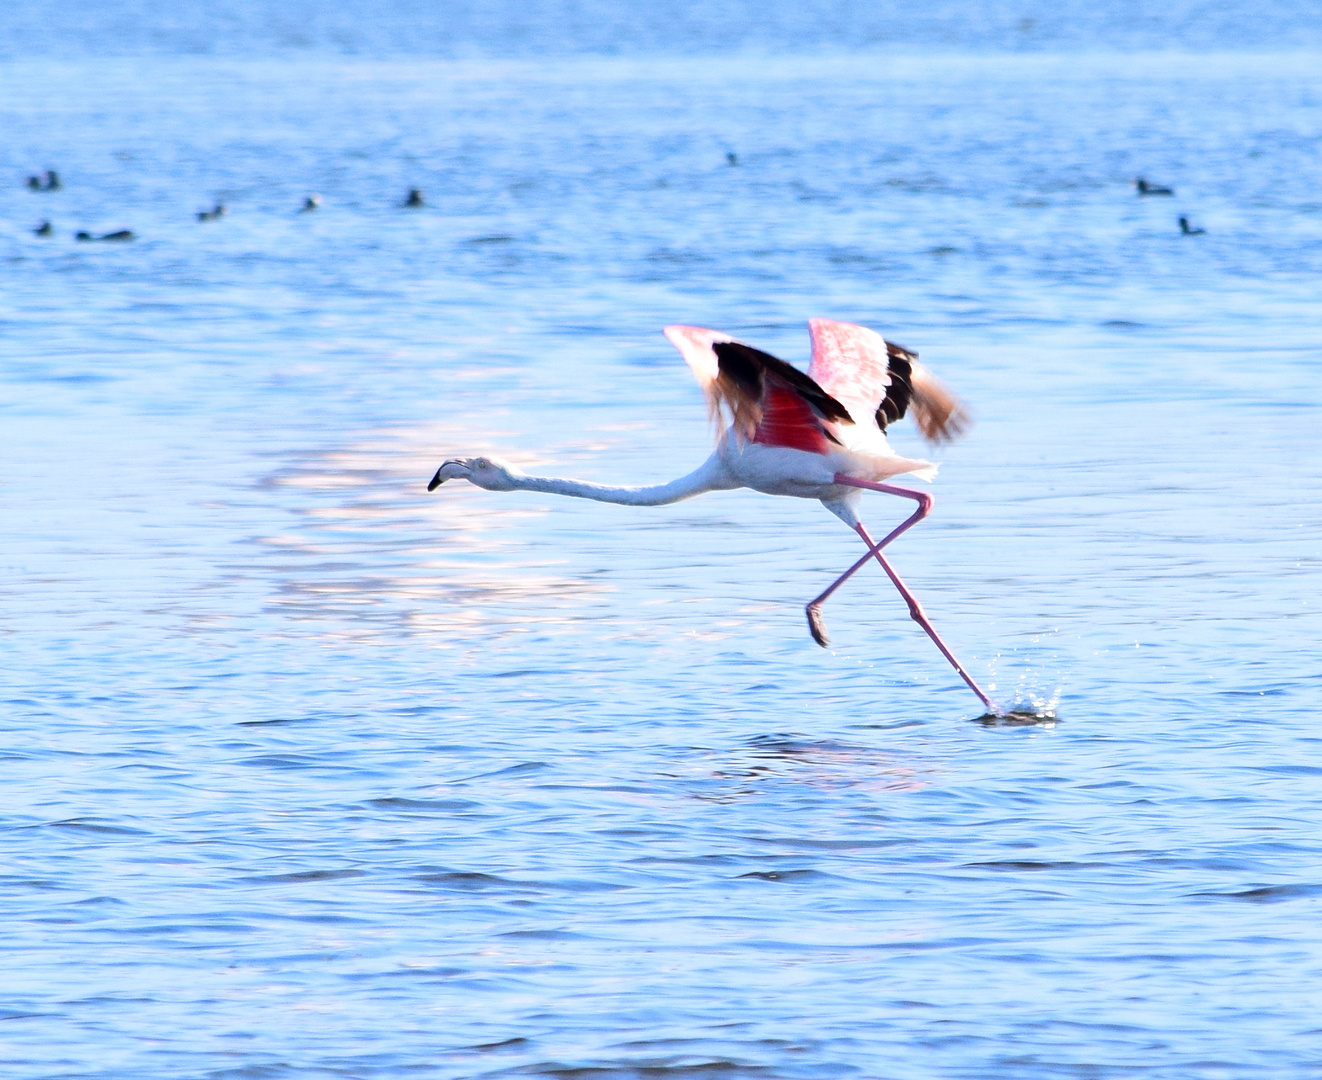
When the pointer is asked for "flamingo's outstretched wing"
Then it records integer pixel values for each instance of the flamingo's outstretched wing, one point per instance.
(877, 378)
(695, 345)
(756, 387)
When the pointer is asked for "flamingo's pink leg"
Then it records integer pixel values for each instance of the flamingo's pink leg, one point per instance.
(924, 501)
(916, 612)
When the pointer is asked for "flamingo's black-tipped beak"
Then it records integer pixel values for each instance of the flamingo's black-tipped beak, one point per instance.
(454, 469)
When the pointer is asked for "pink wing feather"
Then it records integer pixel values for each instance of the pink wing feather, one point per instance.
(851, 364)
(695, 345)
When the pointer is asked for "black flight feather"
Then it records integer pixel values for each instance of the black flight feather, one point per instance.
(899, 363)
(746, 366)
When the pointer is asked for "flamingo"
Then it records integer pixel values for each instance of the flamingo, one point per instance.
(819, 435)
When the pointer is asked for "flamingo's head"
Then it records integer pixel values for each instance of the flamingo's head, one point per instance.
(490, 473)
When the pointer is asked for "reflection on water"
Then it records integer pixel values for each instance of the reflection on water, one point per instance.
(372, 556)
(771, 760)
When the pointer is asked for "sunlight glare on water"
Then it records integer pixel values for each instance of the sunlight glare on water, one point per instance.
(312, 773)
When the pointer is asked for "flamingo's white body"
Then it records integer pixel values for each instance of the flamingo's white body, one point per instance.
(815, 436)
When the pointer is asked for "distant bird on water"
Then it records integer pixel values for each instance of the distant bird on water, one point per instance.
(312, 202)
(415, 198)
(47, 181)
(1144, 188)
(814, 436)
(44, 229)
(1187, 230)
(117, 236)
(214, 214)
(731, 158)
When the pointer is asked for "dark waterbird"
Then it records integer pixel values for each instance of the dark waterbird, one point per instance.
(415, 199)
(214, 214)
(117, 236)
(312, 202)
(815, 435)
(44, 229)
(47, 181)
(1187, 230)
(731, 158)
(1144, 188)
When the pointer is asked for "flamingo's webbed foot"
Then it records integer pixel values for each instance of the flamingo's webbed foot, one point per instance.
(816, 627)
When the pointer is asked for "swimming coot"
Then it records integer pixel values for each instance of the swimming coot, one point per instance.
(1144, 188)
(47, 181)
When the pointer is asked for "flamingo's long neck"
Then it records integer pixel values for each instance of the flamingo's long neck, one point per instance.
(710, 476)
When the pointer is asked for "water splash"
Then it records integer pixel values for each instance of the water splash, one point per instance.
(1029, 709)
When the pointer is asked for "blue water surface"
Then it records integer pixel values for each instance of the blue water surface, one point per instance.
(309, 773)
